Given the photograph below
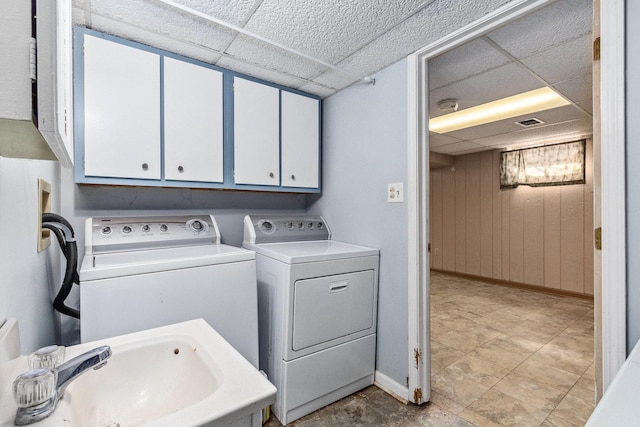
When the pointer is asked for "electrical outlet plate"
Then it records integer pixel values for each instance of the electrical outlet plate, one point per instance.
(395, 193)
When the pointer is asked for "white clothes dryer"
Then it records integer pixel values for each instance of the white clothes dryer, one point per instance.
(317, 305)
(144, 272)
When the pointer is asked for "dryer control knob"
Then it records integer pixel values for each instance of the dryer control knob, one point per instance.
(197, 226)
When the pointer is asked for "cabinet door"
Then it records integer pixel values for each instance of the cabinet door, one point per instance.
(256, 128)
(192, 122)
(121, 110)
(300, 141)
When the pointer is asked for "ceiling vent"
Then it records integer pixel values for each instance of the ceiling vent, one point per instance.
(527, 123)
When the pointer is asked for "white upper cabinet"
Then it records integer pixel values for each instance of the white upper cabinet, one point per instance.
(121, 110)
(256, 127)
(193, 122)
(147, 117)
(300, 141)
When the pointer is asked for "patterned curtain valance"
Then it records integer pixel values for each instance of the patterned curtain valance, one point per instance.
(558, 164)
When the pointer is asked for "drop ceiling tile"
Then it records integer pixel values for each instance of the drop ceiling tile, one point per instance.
(578, 89)
(553, 25)
(556, 115)
(457, 147)
(233, 12)
(563, 62)
(501, 127)
(438, 140)
(587, 105)
(428, 26)
(259, 72)
(328, 30)
(473, 150)
(501, 82)
(78, 17)
(472, 58)
(161, 19)
(273, 58)
(560, 132)
(335, 79)
(149, 38)
(316, 89)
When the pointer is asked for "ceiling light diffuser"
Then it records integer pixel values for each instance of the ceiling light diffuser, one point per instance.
(505, 108)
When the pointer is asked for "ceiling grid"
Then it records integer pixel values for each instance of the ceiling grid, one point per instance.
(550, 47)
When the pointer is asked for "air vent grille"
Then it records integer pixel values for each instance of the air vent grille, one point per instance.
(530, 122)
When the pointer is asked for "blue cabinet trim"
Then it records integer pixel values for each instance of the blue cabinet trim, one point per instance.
(228, 137)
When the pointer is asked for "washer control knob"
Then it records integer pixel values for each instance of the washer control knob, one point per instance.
(106, 230)
(290, 225)
(266, 226)
(310, 225)
(320, 225)
(146, 228)
(300, 225)
(197, 226)
(126, 229)
(163, 227)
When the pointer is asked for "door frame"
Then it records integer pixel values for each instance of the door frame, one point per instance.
(613, 345)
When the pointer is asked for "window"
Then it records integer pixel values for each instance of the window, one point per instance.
(558, 164)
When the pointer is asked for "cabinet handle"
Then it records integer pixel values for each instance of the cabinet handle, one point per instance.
(271, 175)
(145, 166)
(180, 169)
(293, 177)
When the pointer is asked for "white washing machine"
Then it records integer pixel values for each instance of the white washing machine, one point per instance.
(143, 272)
(317, 305)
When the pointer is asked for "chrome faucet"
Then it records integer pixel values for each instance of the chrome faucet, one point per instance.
(66, 373)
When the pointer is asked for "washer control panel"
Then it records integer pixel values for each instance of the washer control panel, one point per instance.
(281, 228)
(133, 233)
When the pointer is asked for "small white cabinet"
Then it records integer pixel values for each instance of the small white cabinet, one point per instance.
(256, 130)
(300, 140)
(274, 129)
(121, 110)
(193, 122)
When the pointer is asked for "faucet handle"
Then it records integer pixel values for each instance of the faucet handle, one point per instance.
(50, 357)
(35, 387)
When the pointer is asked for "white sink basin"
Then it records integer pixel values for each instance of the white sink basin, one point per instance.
(179, 375)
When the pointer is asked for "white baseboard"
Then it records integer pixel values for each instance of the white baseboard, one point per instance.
(392, 387)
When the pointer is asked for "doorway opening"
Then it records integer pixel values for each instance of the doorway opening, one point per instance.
(610, 346)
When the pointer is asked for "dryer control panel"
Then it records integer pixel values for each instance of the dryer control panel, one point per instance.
(135, 233)
(284, 228)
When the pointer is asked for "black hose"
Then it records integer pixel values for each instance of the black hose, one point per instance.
(70, 251)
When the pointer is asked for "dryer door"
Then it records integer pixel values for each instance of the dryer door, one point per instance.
(330, 307)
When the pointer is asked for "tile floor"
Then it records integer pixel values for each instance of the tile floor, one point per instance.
(500, 357)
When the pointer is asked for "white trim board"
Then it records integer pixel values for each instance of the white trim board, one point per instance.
(391, 387)
(614, 251)
(613, 189)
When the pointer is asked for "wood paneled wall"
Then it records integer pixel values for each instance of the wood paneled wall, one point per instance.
(537, 236)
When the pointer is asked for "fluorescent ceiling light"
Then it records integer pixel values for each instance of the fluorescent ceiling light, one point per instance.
(506, 108)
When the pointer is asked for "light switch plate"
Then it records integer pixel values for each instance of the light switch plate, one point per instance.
(395, 193)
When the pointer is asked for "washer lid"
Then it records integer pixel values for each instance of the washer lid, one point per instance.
(116, 264)
(311, 251)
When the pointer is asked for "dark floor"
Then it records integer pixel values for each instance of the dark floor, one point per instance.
(500, 357)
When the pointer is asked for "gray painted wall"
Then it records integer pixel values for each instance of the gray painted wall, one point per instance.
(80, 202)
(364, 149)
(29, 279)
(633, 172)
